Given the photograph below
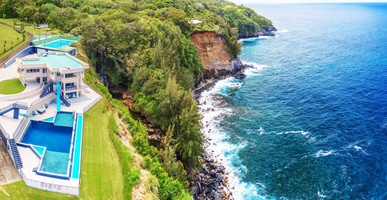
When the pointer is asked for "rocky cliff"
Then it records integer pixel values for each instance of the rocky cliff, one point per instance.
(215, 58)
(213, 53)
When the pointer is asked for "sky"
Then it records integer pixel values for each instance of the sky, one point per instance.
(301, 1)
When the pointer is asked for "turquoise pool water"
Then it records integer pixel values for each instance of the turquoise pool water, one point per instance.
(56, 61)
(65, 119)
(57, 143)
(56, 44)
(39, 149)
(78, 149)
(55, 162)
(56, 139)
(51, 119)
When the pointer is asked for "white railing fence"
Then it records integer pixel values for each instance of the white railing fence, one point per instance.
(23, 95)
(40, 102)
(21, 129)
(91, 104)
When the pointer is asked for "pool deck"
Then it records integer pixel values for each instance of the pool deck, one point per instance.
(30, 160)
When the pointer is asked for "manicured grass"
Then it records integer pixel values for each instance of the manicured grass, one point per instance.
(13, 40)
(19, 190)
(42, 31)
(11, 86)
(101, 175)
(10, 21)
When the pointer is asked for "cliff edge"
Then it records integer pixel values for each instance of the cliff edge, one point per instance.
(212, 52)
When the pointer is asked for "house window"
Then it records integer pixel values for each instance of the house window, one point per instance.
(69, 75)
(32, 70)
(44, 70)
(58, 74)
(44, 79)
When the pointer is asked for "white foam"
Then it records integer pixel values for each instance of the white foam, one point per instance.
(248, 39)
(358, 148)
(214, 109)
(321, 195)
(266, 37)
(322, 153)
(255, 70)
(261, 131)
(304, 133)
(281, 31)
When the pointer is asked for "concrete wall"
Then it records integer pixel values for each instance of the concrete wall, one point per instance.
(49, 186)
(26, 51)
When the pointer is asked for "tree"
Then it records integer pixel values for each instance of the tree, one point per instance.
(172, 166)
(180, 112)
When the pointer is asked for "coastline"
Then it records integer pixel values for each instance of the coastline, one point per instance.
(212, 181)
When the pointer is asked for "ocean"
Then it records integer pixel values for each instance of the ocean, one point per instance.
(310, 119)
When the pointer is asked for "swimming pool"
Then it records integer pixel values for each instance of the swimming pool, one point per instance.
(57, 141)
(64, 119)
(54, 138)
(56, 44)
(77, 148)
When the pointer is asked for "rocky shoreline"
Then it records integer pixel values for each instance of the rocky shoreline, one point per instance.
(236, 71)
(211, 182)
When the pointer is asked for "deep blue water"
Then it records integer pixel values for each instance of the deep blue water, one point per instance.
(54, 138)
(310, 120)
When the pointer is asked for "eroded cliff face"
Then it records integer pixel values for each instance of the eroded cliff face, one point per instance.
(213, 53)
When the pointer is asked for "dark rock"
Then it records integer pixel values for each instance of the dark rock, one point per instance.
(240, 76)
(271, 29)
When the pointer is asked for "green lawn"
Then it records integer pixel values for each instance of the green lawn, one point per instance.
(13, 40)
(43, 31)
(19, 190)
(10, 21)
(101, 169)
(11, 86)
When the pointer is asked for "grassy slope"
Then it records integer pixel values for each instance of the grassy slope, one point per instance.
(10, 35)
(101, 172)
(19, 190)
(11, 86)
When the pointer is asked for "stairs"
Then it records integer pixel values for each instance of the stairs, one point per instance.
(15, 154)
(65, 101)
(47, 89)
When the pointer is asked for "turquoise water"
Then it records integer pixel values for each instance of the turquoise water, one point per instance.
(39, 149)
(55, 162)
(57, 44)
(56, 61)
(65, 119)
(310, 119)
(78, 148)
(56, 139)
(50, 119)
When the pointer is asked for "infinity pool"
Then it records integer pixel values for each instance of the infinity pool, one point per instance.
(54, 138)
(56, 44)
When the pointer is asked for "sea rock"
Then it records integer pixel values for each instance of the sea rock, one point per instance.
(271, 29)
(240, 76)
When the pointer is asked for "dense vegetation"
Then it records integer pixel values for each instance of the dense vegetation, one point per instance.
(143, 46)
